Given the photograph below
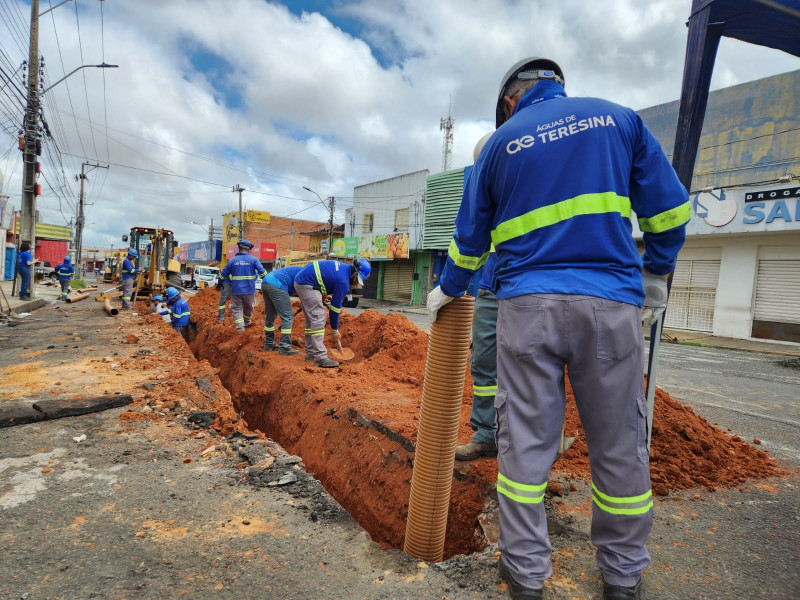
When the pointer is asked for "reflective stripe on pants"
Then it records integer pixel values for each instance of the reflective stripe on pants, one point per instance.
(277, 302)
(314, 312)
(600, 342)
(483, 367)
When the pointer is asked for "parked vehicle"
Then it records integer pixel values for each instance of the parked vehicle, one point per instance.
(207, 275)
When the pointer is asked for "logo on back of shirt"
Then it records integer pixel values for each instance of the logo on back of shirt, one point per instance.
(514, 146)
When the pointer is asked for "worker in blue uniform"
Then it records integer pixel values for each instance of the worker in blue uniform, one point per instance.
(326, 278)
(64, 272)
(224, 287)
(554, 190)
(179, 312)
(129, 272)
(24, 263)
(243, 269)
(277, 287)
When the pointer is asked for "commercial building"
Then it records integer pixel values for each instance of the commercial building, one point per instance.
(385, 224)
(738, 275)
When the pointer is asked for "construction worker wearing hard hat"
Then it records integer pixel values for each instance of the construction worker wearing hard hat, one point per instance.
(129, 271)
(224, 287)
(243, 269)
(277, 287)
(179, 312)
(64, 272)
(554, 189)
(326, 278)
(483, 357)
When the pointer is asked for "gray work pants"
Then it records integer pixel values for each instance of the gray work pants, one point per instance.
(483, 367)
(600, 342)
(126, 285)
(314, 312)
(242, 310)
(64, 288)
(224, 294)
(277, 302)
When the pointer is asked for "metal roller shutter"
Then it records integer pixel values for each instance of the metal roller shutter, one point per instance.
(778, 291)
(398, 279)
(693, 294)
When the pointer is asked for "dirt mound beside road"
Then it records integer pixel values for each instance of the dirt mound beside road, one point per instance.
(355, 426)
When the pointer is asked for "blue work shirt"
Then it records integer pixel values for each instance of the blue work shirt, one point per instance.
(128, 270)
(554, 190)
(179, 312)
(23, 259)
(242, 270)
(64, 271)
(283, 279)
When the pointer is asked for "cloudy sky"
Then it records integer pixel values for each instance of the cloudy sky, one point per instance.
(275, 96)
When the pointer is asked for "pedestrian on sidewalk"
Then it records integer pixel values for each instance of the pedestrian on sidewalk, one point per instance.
(64, 271)
(553, 190)
(243, 270)
(129, 272)
(277, 287)
(24, 263)
(179, 312)
(322, 278)
(224, 288)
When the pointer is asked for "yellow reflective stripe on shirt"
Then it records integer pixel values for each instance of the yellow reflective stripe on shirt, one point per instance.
(630, 505)
(669, 219)
(484, 390)
(334, 309)
(239, 277)
(586, 204)
(319, 279)
(473, 263)
(520, 492)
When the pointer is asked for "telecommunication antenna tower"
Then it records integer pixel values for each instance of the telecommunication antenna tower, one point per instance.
(446, 125)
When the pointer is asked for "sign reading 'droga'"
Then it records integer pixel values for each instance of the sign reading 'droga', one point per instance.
(781, 194)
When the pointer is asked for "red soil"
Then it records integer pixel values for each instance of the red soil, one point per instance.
(314, 413)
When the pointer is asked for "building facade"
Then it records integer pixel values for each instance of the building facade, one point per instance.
(385, 224)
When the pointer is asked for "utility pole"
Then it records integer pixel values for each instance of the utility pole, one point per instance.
(332, 203)
(211, 239)
(240, 189)
(291, 237)
(31, 131)
(81, 220)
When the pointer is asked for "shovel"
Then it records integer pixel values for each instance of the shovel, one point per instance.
(340, 353)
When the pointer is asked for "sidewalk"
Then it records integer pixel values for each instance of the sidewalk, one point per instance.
(681, 337)
(42, 294)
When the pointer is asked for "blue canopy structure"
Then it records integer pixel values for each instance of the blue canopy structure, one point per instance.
(772, 23)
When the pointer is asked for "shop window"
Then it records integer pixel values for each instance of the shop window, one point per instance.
(401, 219)
(369, 219)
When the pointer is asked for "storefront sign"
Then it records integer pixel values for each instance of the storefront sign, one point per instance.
(263, 251)
(384, 246)
(347, 247)
(183, 255)
(257, 216)
(714, 207)
(779, 194)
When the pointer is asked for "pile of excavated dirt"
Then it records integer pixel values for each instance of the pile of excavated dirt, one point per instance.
(355, 426)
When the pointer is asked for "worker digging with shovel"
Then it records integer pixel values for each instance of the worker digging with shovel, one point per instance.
(326, 278)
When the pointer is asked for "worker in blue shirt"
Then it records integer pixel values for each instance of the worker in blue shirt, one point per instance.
(224, 287)
(24, 262)
(129, 272)
(179, 312)
(326, 278)
(277, 287)
(243, 270)
(64, 271)
(554, 190)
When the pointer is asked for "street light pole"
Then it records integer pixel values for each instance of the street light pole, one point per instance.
(240, 189)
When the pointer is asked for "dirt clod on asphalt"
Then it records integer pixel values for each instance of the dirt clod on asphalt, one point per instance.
(355, 426)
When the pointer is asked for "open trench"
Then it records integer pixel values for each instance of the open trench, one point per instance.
(355, 426)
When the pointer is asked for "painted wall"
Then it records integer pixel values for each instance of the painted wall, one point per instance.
(382, 199)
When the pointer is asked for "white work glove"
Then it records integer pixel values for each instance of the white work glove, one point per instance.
(436, 300)
(336, 335)
(655, 297)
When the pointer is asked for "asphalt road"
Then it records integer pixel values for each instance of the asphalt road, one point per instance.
(755, 395)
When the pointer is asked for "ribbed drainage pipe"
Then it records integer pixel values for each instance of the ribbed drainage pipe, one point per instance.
(437, 435)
